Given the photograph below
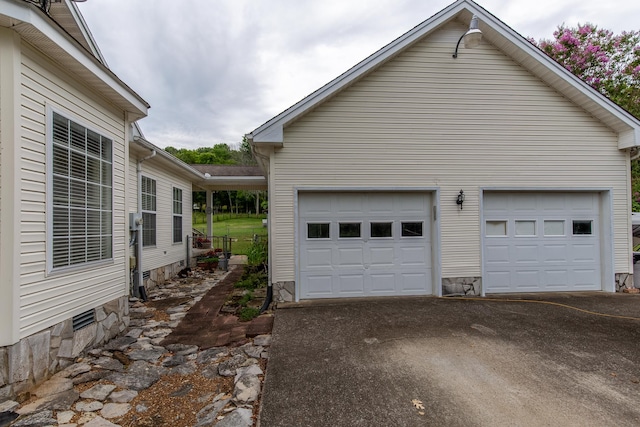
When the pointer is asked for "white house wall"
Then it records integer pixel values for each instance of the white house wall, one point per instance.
(428, 120)
(47, 299)
(165, 252)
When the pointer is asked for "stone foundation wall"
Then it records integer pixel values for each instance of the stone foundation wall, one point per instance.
(624, 281)
(284, 291)
(462, 286)
(36, 358)
(159, 276)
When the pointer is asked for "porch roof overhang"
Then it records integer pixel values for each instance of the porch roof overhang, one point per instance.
(202, 177)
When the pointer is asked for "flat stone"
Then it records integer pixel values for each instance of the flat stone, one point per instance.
(75, 370)
(174, 361)
(142, 408)
(57, 402)
(178, 309)
(66, 349)
(86, 417)
(98, 392)
(109, 364)
(115, 410)
(90, 376)
(207, 415)
(123, 396)
(212, 355)
(247, 389)
(262, 340)
(19, 366)
(82, 338)
(185, 369)
(184, 390)
(92, 406)
(151, 355)
(228, 367)
(140, 375)
(121, 343)
(254, 351)
(8, 406)
(134, 333)
(39, 419)
(239, 418)
(40, 344)
(252, 370)
(110, 320)
(54, 386)
(100, 422)
(65, 416)
(157, 333)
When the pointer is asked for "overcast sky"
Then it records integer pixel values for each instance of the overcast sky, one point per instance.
(214, 70)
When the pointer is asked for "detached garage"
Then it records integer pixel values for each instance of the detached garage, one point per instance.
(437, 167)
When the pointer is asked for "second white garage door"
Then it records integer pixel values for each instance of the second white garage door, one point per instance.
(364, 244)
(541, 242)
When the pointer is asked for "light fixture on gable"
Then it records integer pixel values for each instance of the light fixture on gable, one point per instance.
(471, 38)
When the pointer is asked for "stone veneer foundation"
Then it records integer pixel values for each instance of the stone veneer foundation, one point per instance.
(462, 286)
(36, 358)
(623, 280)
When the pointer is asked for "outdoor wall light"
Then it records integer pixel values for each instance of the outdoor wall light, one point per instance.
(460, 199)
(471, 38)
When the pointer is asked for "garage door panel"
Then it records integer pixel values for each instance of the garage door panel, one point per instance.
(550, 257)
(555, 254)
(319, 258)
(526, 254)
(319, 285)
(374, 262)
(416, 256)
(382, 257)
(382, 283)
(351, 284)
(350, 257)
(556, 278)
(584, 253)
(413, 282)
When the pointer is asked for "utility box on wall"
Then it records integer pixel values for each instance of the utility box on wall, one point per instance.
(135, 221)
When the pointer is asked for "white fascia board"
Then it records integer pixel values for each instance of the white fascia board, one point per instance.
(272, 131)
(28, 15)
(84, 28)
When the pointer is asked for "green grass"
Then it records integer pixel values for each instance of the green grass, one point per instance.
(241, 228)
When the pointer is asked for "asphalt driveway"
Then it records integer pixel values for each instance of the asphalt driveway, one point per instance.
(468, 363)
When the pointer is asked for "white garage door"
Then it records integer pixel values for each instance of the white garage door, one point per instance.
(541, 242)
(364, 244)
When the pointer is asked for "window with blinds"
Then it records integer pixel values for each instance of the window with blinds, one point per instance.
(82, 194)
(148, 211)
(177, 215)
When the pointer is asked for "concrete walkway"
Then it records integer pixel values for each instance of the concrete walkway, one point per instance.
(429, 361)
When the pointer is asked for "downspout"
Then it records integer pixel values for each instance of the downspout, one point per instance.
(139, 289)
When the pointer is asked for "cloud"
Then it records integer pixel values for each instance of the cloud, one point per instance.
(214, 70)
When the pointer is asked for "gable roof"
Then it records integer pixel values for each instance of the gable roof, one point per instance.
(499, 35)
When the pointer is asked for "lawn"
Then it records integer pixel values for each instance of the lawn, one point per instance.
(241, 228)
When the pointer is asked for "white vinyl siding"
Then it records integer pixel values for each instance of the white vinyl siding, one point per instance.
(177, 215)
(425, 119)
(46, 299)
(165, 251)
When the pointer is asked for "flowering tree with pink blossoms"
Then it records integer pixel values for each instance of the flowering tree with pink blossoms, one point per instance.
(609, 63)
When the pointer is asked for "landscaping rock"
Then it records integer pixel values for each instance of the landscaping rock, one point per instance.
(98, 392)
(123, 396)
(115, 410)
(239, 418)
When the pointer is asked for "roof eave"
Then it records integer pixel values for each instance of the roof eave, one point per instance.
(38, 30)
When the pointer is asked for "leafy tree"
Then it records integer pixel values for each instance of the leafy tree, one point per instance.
(609, 63)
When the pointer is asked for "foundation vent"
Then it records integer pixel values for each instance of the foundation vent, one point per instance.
(84, 319)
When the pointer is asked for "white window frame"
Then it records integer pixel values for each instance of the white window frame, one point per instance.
(105, 211)
(317, 223)
(177, 215)
(497, 236)
(350, 222)
(515, 227)
(421, 236)
(149, 210)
